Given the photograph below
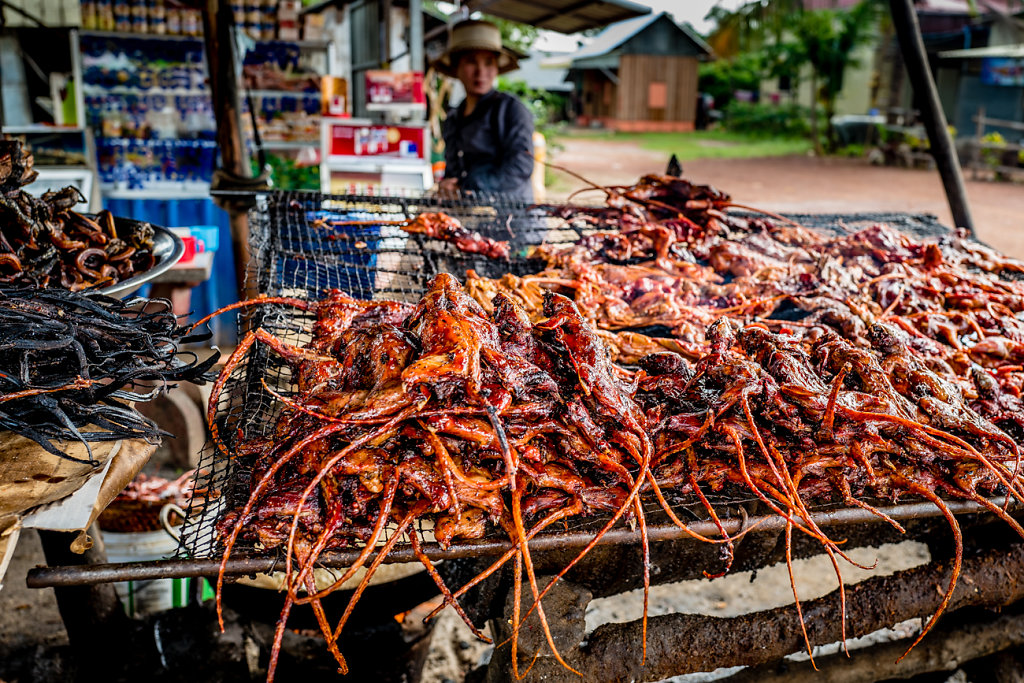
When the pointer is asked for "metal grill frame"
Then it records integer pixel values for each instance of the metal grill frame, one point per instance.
(292, 257)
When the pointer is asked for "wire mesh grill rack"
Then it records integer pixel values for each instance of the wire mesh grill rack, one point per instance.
(297, 253)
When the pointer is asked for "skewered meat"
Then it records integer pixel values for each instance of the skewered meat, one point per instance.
(438, 226)
(441, 226)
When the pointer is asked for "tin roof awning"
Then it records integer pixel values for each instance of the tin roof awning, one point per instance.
(564, 16)
(613, 37)
(1013, 50)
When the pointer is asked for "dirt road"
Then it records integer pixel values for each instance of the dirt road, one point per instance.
(806, 185)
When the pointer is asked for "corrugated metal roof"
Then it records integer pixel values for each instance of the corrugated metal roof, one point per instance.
(1013, 50)
(564, 16)
(538, 76)
(614, 36)
(964, 7)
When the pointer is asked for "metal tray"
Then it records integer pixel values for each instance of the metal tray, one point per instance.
(167, 248)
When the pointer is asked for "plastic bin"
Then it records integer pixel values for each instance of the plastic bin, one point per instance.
(143, 597)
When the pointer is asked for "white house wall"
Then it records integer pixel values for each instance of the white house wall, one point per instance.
(399, 45)
(855, 97)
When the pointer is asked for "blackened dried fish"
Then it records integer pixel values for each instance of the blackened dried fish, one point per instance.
(70, 361)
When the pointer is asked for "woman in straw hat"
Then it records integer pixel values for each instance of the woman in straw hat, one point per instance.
(489, 137)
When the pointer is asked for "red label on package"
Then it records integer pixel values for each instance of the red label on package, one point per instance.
(401, 142)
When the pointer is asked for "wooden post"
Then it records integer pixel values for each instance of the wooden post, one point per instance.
(979, 133)
(98, 628)
(222, 65)
(904, 18)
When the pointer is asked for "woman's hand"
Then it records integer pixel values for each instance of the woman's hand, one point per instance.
(448, 188)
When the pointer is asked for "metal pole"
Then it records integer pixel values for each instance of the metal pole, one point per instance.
(416, 62)
(908, 32)
(384, 14)
(44, 577)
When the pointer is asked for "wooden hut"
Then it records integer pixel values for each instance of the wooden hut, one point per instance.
(638, 75)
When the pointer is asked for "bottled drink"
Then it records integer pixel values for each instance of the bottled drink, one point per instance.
(158, 18)
(173, 21)
(191, 21)
(122, 16)
(139, 16)
(89, 16)
(105, 15)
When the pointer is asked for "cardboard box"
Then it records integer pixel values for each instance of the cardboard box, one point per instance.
(313, 27)
(333, 96)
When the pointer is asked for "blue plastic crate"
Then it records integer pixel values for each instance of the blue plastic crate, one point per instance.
(350, 270)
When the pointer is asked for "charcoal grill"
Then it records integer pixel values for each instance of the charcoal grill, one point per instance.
(294, 253)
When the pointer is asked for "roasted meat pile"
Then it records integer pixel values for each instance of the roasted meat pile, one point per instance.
(788, 366)
(44, 243)
(435, 225)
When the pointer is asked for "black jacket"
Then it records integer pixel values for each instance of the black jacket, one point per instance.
(491, 150)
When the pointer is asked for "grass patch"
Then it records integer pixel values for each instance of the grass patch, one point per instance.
(704, 144)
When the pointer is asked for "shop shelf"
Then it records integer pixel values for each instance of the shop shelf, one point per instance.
(144, 36)
(284, 93)
(303, 44)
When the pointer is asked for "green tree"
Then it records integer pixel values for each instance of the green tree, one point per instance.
(751, 26)
(541, 103)
(828, 39)
(788, 37)
(515, 35)
(723, 77)
(785, 59)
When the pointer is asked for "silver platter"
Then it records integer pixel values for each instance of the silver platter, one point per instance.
(167, 249)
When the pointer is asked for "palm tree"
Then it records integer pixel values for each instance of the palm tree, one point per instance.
(751, 26)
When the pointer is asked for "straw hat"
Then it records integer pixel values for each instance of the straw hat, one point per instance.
(474, 34)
